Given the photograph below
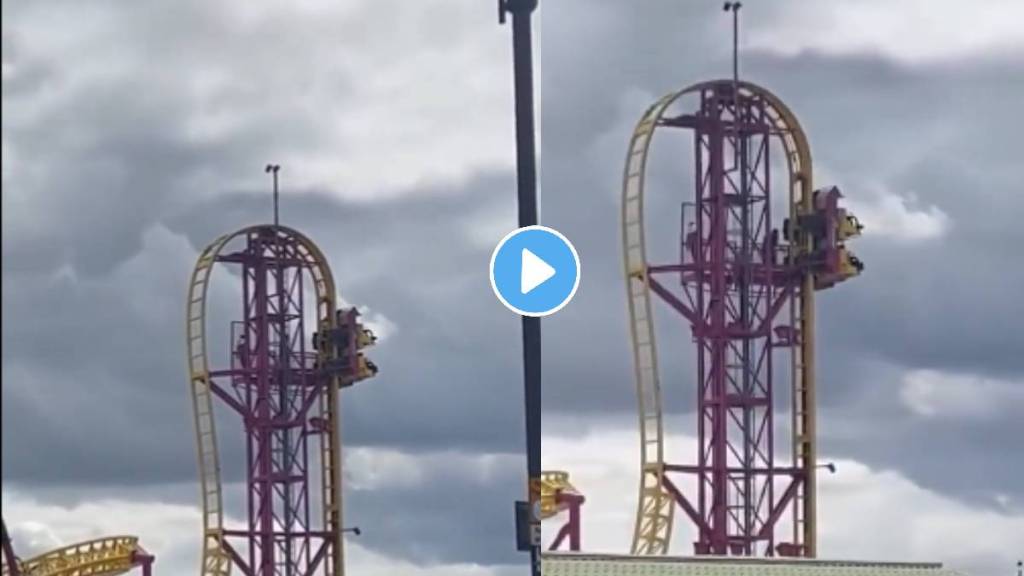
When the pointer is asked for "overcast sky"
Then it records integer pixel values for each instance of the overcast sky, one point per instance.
(134, 133)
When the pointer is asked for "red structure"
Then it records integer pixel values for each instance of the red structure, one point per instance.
(282, 383)
(744, 287)
(10, 560)
(569, 534)
(559, 498)
(735, 283)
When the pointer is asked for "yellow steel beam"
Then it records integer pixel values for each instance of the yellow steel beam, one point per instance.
(102, 557)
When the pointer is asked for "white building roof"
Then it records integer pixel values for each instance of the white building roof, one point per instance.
(574, 564)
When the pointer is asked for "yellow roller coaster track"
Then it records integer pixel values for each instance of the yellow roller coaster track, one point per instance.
(103, 557)
(653, 529)
(215, 561)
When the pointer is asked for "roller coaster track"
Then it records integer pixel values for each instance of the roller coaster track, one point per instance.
(654, 517)
(103, 557)
(216, 558)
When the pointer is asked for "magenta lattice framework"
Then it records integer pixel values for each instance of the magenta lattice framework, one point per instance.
(274, 385)
(734, 284)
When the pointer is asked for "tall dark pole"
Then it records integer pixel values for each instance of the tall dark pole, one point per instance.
(282, 363)
(734, 7)
(274, 169)
(526, 172)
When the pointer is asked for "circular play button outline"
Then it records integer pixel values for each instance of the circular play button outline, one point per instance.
(576, 261)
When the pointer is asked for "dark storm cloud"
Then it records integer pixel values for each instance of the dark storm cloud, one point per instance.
(457, 515)
(449, 380)
(453, 346)
(933, 135)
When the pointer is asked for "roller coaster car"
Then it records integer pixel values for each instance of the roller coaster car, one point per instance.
(366, 337)
(342, 336)
(843, 267)
(849, 265)
(365, 368)
(848, 226)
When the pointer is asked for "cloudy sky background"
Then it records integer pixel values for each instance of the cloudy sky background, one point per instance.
(921, 371)
(135, 133)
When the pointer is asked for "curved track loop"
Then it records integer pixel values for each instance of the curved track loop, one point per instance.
(216, 561)
(103, 557)
(655, 511)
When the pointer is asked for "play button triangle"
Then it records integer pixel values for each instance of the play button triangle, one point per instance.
(534, 272)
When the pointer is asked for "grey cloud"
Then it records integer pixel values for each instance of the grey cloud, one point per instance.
(109, 191)
(456, 515)
(409, 268)
(110, 161)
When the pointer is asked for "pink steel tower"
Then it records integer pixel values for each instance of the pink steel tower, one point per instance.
(746, 292)
(283, 385)
(736, 278)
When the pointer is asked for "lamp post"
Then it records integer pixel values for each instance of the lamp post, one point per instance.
(528, 513)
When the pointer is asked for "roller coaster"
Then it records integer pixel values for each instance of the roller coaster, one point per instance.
(111, 556)
(283, 385)
(747, 295)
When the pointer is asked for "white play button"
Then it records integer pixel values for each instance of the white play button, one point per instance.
(534, 272)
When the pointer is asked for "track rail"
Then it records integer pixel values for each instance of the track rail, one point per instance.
(216, 560)
(655, 510)
(102, 557)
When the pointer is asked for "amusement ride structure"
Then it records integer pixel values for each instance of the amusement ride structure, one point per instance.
(742, 285)
(110, 556)
(283, 383)
(746, 293)
(559, 497)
